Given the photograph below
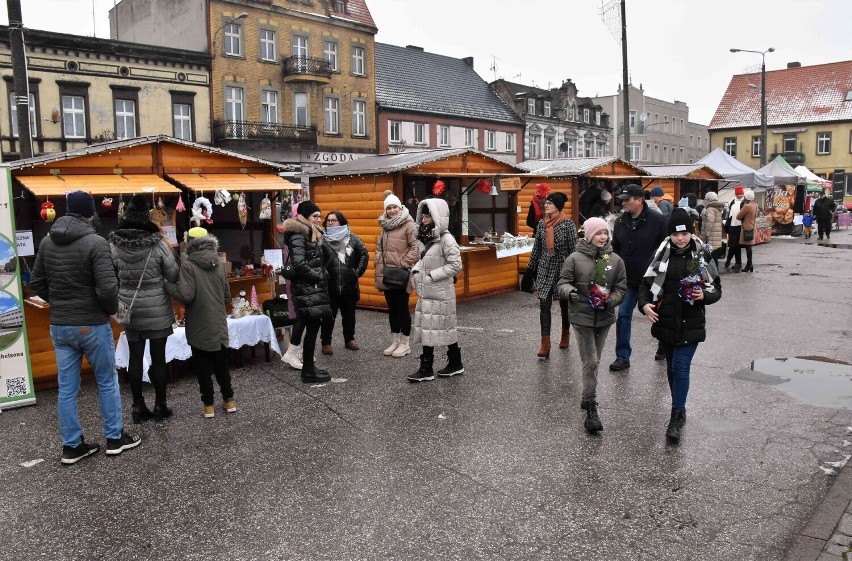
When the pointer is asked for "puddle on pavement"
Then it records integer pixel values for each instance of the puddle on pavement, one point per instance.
(834, 245)
(814, 380)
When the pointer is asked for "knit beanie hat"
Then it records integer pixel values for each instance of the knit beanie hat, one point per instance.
(307, 208)
(749, 195)
(80, 202)
(680, 221)
(592, 226)
(739, 190)
(197, 232)
(558, 200)
(711, 196)
(606, 196)
(391, 199)
(657, 191)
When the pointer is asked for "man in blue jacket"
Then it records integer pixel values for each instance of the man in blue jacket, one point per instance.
(74, 273)
(637, 233)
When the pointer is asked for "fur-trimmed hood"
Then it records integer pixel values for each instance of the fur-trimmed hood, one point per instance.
(131, 244)
(203, 251)
(440, 213)
(294, 226)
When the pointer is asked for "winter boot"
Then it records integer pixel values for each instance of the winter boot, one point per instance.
(140, 412)
(592, 422)
(293, 356)
(675, 425)
(454, 364)
(424, 373)
(403, 348)
(566, 338)
(158, 380)
(394, 344)
(313, 375)
(544, 351)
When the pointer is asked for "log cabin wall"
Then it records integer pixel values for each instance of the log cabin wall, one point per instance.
(565, 185)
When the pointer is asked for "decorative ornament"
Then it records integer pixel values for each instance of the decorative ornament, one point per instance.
(179, 207)
(157, 215)
(542, 190)
(483, 186)
(47, 212)
(160, 204)
(202, 211)
(265, 209)
(107, 202)
(219, 198)
(235, 197)
(120, 207)
(242, 210)
(438, 188)
(253, 302)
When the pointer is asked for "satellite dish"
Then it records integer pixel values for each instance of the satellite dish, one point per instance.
(643, 116)
(563, 147)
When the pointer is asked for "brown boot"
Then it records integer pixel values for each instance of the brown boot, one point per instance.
(566, 338)
(544, 351)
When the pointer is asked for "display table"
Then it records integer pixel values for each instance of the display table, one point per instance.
(249, 330)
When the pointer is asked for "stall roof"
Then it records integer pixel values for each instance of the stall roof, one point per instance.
(235, 182)
(783, 173)
(679, 171)
(576, 166)
(380, 164)
(735, 171)
(813, 181)
(56, 185)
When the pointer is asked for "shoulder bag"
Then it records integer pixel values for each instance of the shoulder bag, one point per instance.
(122, 316)
(395, 278)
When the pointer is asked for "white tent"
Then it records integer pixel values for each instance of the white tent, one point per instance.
(735, 171)
(782, 172)
(814, 182)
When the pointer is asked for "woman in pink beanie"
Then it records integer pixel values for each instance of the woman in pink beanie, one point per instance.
(594, 282)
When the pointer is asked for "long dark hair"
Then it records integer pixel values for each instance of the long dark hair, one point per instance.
(340, 218)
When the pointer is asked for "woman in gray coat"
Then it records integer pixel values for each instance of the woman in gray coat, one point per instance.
(433, 278)
(139, 252)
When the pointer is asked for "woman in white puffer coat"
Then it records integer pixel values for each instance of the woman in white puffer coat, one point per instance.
(434, 279)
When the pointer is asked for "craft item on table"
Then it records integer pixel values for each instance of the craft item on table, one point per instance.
(202, 211)
(239, 305)
(179, 207)
(255, 305)
(47, 212)
(242, 210)
(483, 186)
(438, 188)
(107, 202)
(265, 209)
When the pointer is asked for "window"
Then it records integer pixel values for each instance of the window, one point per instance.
(585, 115)
(635, 151)
(73, 116)
(125, 118)
(588, 149)
(790, 143)
(656, 153)
(681, 127)
(233, 103)
(510, 142)
(730, 146)
(647, 151)
(691, 141)
(468, 137)
(299, 51)
(359, 118)
(395, 131)
(535, 147)
(419, 133)
(443, 135)
(267, 45)
(549, 144)
(331, 109)
(13, 108)
(269, 107)
(340, 6)
(490, 140)
(358, 61)
(182, 120)
(547, 109)
(755, 147)
(597, 117)
(300, 109)
(823, 143)
(680, 161)
(233, 40)
(571, 112)
(665, 154)
(665, 123)
(632, 122)
(329, 51)
(530, 107)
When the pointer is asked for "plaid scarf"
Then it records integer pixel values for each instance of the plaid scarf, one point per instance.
(660, 264)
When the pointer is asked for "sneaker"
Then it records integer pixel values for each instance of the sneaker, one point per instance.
(619, 364)
(209, 412)
(230, 406)
(116, 446)
(327, 350)
(73, 454)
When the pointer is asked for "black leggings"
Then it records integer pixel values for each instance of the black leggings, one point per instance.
(398, 314)
(296, 331)
(156, 373)
(544, 315)
(309, 344)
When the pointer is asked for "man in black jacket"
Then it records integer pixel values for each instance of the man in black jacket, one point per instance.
(74, 273)
(638, 232)
(824, 213)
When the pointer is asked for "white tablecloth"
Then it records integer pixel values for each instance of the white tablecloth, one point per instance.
(249, 330)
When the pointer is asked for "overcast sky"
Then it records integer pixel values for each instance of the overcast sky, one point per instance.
(678, 49)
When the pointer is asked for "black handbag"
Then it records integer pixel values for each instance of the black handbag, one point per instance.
(394, 277)
(288, 271)
(528, 280)
(748, 235)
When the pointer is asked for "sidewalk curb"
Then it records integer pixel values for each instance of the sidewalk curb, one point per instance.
(809, 544)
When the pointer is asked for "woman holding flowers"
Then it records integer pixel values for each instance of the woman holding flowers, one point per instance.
(594, 282)
(681, 280)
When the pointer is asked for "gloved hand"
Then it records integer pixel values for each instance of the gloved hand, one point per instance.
(574, 297)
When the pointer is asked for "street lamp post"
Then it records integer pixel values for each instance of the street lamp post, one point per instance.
(241, 15)
(762, 98)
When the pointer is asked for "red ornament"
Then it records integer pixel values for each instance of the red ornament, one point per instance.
(107, 202)
(438, 188)
(47, 212)
(542, 190)
(483, 186)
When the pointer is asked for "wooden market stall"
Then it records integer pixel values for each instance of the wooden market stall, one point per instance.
(678, 180)
(166, 168)
(482, 207)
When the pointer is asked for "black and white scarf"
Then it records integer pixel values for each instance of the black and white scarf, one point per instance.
(660, 264)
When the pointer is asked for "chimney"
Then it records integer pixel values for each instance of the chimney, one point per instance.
(468, 60)
(794, 65)
(414, 48)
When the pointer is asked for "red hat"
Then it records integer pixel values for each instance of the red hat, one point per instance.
(739, 190)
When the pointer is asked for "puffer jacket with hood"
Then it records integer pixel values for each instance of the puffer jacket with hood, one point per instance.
(73, 272)
(711, 224)
(152, 308)
(432, 276)
(577, 272)
(203, 287)
(310, 287)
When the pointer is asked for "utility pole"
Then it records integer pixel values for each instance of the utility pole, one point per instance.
(625, 89)
(19, 74)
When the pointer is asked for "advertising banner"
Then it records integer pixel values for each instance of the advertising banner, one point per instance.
(16, 378)
(780, 202)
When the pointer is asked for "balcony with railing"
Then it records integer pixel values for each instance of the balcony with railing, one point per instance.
(302, 69)
(792, 158)
(235, 133)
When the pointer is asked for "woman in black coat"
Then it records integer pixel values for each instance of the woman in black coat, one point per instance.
(309, 286)
(680, 282)
(347, 260)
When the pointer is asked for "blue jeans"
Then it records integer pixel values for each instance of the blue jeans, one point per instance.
(678, 363)
(624, 322)
(96, 343)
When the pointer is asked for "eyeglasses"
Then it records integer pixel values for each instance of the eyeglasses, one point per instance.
(316, 216)
(331, 218)
(547, 202)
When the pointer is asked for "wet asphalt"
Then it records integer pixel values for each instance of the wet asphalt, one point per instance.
(492, 464)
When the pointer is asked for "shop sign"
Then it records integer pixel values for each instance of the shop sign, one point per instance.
(26, 246)
(329, 158)
(16, 377)
(510, 183)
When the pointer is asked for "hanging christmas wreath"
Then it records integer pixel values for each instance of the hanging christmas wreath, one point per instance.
(483, 186)
(438, 188)
(202, 211)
